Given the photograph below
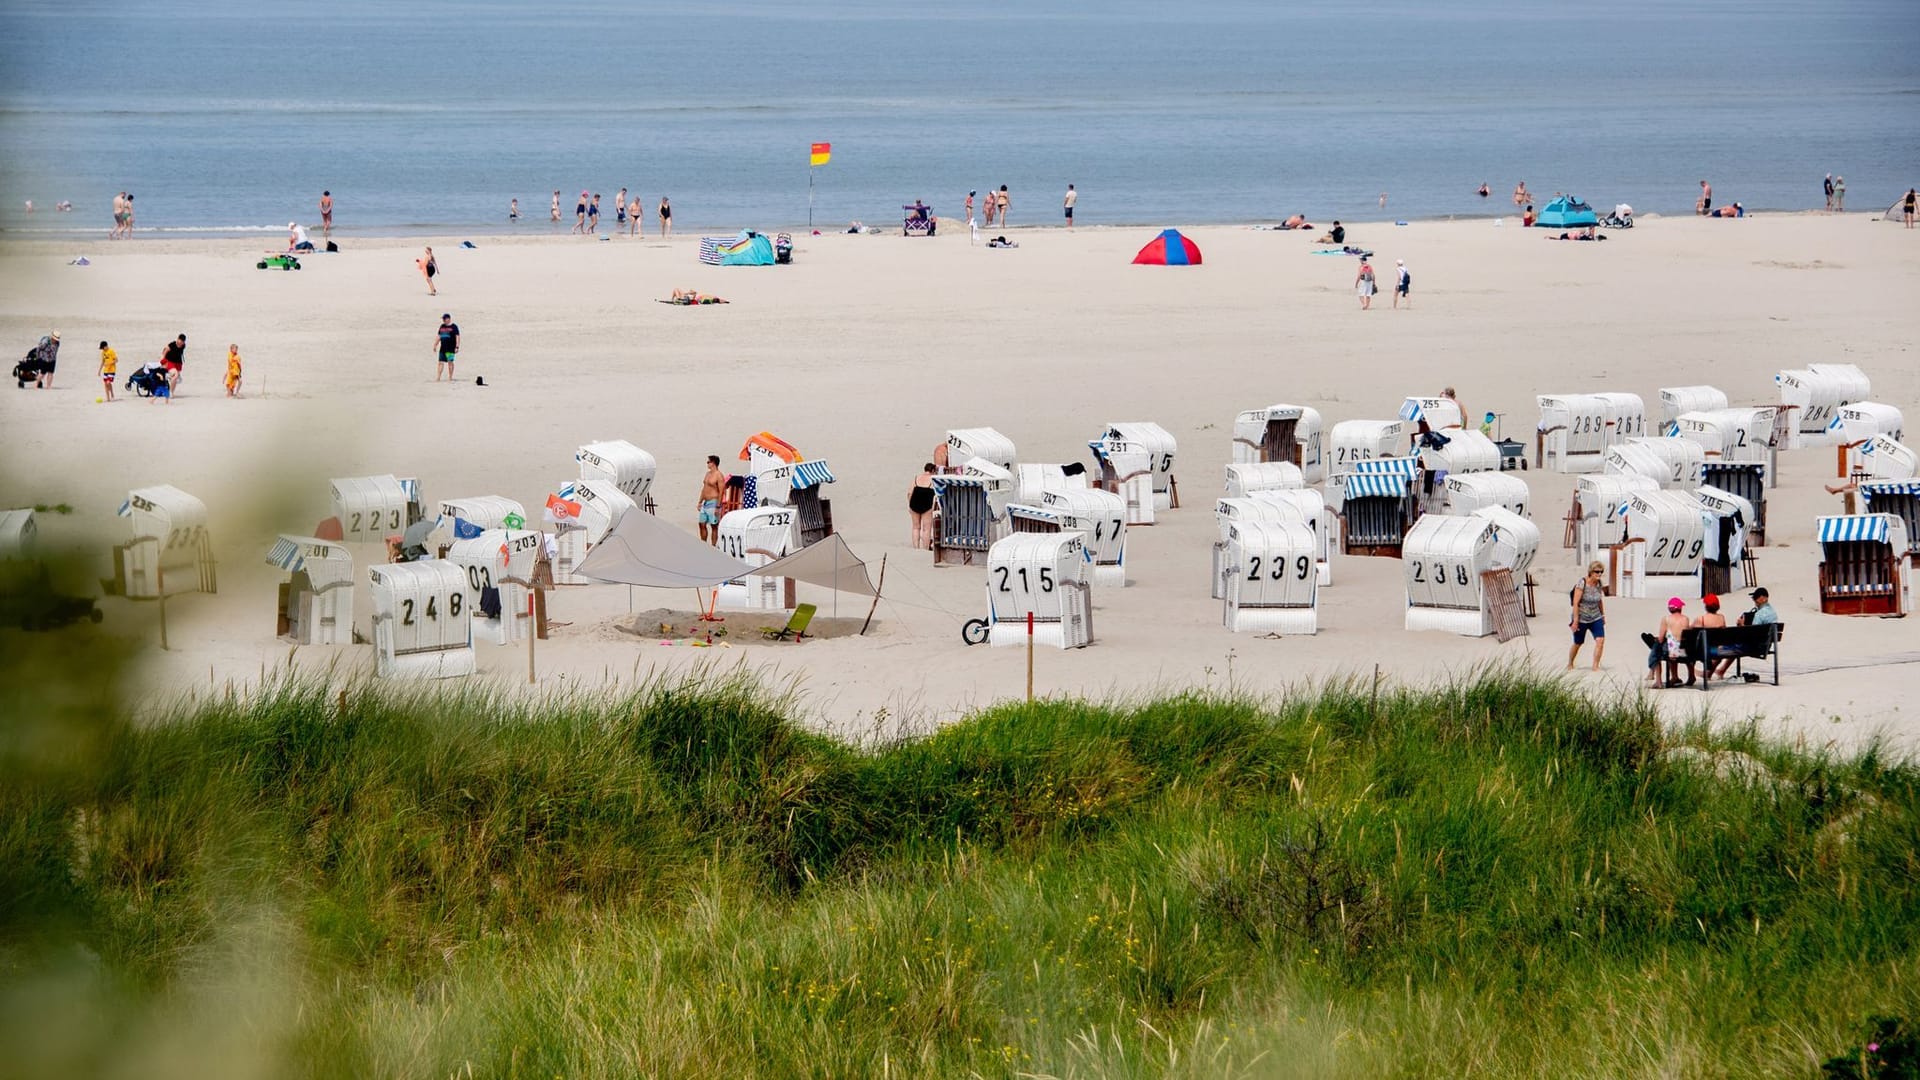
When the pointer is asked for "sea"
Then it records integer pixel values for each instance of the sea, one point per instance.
(429, 116)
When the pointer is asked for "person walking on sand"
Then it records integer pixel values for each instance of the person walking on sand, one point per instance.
(429, 269)
(635, 217)
(1001, 202)
(987, 207)
(45, 356)
(446, 347)
(1705, 205)
(619, 210)
(173, 361)
(920, 507)
(233, 371)
(119, 216)
(972, 222)
(1403, 282)
(554, 208)
(712, 487)
(1072, 197)
(1839, 194)
(1589, 602)
(109, 369)
(580, 215)
(666, 230)
(1363, 284)
(1828, 185)
(326, 215)
(1907, 207)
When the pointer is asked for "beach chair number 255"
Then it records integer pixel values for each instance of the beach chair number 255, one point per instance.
(431, 612)
(1302, 566)
(1046, 579)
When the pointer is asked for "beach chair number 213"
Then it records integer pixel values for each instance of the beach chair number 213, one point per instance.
(432, 611)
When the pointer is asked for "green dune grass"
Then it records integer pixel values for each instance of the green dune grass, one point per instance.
(1494, 878)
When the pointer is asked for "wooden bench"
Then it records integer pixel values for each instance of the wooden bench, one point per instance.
(1708, 646)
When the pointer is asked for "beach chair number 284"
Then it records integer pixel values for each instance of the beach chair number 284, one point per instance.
(1302, 566)
(431, 612)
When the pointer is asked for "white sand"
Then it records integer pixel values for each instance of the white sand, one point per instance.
(868, 348)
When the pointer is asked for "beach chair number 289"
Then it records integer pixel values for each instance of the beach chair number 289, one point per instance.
(1302, 566)
(1046, 579)
(431, 612)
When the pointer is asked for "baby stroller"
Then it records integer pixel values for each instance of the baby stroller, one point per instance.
(783, 249)
(149, 381)
(26, 371)
(1620, 218)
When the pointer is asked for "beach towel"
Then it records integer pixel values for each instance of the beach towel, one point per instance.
(689, 302)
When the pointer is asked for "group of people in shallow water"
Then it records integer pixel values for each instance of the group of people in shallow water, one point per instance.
(628, 214)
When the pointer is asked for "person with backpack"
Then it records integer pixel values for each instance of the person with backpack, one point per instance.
(1364, 285)
(1402, 284)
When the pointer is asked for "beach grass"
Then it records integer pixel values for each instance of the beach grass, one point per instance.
(1496, 877)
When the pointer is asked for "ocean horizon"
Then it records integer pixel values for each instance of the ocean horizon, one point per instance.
(224, 119)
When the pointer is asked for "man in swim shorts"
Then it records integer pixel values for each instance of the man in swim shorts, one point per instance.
(173, 360)
(1072, 197)
(326, 215)
(712, 487)
(446, 347)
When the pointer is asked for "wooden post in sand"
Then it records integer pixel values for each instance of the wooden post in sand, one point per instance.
(1029, 657)
(877, 590)
(160, 580)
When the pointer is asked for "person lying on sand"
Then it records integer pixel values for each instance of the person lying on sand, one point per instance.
(1297, 221)
(690, 296)
(1736, 210)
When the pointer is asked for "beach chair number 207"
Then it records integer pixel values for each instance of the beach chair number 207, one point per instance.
(1302, 566)
(453, 609)
(1046, 579)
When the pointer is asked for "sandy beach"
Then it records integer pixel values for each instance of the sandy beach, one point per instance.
(868, 348)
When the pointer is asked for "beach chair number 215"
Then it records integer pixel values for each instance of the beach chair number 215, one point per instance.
(1046, 579)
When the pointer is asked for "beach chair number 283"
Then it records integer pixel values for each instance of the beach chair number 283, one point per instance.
(431, 612)
(1046, 579)
(1302, 566)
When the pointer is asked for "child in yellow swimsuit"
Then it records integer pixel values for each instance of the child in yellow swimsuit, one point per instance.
(233, 371)
(109, 368)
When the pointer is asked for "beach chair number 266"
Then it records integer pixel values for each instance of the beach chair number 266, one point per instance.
(431, 612)
(1046, 579)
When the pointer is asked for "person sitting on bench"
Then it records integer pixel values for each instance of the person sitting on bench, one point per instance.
(1710, 619)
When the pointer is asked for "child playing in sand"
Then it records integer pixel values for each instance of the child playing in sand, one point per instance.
(233, 371)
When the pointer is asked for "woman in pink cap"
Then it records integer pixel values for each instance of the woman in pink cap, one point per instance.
(1664, 644)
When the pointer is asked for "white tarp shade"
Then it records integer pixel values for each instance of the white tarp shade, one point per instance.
(828, 563)
(642, 549)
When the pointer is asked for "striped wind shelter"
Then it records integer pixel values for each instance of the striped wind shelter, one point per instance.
(291, 553)
(1844, 528)
(808, 474)
(1374, 485)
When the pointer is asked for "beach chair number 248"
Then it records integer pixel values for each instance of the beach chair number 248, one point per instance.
(431, 612)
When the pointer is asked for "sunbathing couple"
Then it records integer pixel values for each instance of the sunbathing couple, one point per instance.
(692, 296)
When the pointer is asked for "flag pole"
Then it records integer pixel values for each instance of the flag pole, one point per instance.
(809, 197)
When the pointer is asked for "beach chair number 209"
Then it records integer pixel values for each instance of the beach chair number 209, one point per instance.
(1660, 548)
(1302, 566)
(1439, 573)
(1046, 579)
(453, 609)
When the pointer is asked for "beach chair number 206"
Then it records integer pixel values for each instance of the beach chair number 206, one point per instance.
(1302, 566)
(1046, 579)
(453, 609)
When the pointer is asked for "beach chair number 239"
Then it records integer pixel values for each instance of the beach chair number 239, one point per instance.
(1006, 574)
(1302, 566)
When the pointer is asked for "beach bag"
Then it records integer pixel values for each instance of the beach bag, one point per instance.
(331, 246)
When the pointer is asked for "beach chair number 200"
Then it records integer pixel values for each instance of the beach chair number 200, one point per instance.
(1302, 566)
(1046, 579)
(453, 609)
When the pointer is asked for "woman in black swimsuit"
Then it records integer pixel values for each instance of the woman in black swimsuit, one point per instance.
(666, 217)
(920, 506)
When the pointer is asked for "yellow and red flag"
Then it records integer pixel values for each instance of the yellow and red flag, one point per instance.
(822, 153)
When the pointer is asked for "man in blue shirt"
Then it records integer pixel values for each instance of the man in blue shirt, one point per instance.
(1762, 612)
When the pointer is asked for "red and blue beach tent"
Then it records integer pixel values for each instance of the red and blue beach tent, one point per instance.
(1169, 249)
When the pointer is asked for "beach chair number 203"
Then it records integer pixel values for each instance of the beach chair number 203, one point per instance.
(1302, 566)
(1006, 574)
(1440, 573)
(432, 609)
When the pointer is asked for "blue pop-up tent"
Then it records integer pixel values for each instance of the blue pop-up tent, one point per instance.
(750, 249)
(1566, 212)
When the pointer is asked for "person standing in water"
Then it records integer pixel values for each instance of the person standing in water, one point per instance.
(326, 215)
(666, 229)
(555, 208)
(1072, 197)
